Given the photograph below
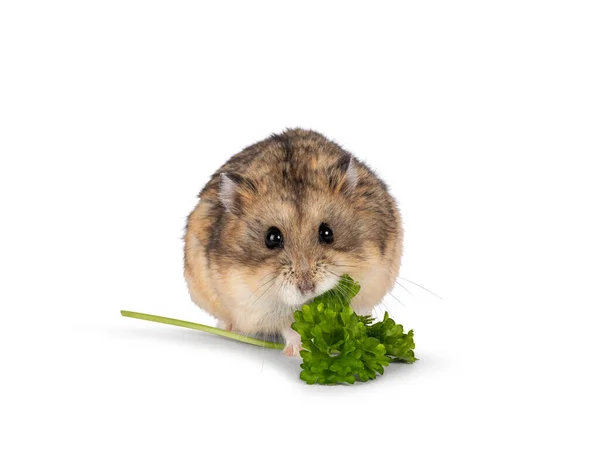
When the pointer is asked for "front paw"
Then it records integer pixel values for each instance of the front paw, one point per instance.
(292, 350)
(293, 344)
(225, 325)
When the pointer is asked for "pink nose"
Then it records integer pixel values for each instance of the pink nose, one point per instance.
(306, 286)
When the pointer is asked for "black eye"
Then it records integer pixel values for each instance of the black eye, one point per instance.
(325, 234)
(274, 238)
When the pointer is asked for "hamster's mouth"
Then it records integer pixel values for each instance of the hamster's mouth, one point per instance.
(294, 297)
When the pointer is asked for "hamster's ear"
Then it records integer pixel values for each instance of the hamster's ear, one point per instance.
(343, 177)
(351, 179)
(228, 193)
(234, 191)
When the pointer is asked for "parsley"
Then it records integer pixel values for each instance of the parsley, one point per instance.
(340, 346)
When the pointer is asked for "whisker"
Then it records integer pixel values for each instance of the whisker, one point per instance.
(387, 309)
(332, 273)
(337, 298)
(339, 287)
(403, 287)
(267, 282)
(424, 288)
(261, 295)
(279, 290)
(262, 365)
(343, 290)
(268, 274)
(342, 265)
(396, 298)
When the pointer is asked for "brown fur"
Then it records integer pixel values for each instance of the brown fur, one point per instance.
(293, 181)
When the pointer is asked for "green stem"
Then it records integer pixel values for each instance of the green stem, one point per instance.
(197, 326)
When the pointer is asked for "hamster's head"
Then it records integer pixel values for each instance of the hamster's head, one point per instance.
(298, 218)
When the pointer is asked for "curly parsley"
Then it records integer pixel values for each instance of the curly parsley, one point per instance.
(342, 347)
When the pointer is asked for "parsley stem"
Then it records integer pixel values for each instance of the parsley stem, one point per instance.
(206, 328)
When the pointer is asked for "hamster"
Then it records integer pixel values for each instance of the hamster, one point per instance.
(279, 223)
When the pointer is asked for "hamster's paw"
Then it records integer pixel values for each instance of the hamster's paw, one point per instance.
(224, 325)
(292, 349)
(293, 344)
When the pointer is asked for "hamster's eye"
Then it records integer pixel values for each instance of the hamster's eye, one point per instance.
(274, 238)
(325, 234)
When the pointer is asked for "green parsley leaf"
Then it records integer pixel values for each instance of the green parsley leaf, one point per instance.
(342, 347)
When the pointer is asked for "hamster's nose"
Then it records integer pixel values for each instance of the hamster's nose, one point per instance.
(306, 286)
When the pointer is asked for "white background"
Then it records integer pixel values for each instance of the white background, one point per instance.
(482, 117)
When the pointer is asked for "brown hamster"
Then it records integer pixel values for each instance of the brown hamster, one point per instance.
(279, 223)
